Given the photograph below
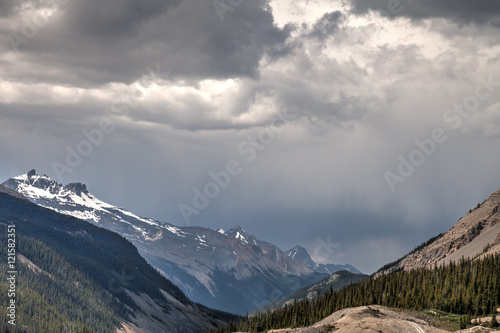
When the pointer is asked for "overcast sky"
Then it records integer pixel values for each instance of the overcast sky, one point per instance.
(314, 106)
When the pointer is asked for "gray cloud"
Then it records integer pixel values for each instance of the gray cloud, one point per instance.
(327, 25)
(110, 20)
(97, 42)
(7, 7)
(482, 12)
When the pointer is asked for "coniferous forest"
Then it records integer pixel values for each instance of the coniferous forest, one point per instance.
(467, 288)
(64, 300)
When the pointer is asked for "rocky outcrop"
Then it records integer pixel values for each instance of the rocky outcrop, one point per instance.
(77, 188)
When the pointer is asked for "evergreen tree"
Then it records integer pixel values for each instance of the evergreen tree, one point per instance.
(494, 322)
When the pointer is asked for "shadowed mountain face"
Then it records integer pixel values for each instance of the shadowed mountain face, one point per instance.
(230, 271)
(475, 235)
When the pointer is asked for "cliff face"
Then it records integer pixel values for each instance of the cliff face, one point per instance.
(475, 235)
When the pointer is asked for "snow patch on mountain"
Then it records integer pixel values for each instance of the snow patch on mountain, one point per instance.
(241, 237)
(176, 231)
(149, 221)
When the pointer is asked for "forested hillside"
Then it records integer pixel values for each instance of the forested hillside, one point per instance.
(467, 288)
(64, 300)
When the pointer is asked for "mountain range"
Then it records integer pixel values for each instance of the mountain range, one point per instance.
(230, 271)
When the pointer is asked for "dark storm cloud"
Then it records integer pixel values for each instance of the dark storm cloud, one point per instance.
(462, 11)
(7, 7)
(327, 25)
(109, 19)
(238, 47)
(96, 42)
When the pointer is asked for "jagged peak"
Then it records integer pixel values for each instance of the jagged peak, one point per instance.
(31, 176)
(42, 181)
(31, 173)
(297, 247)
(238, 228)
(77, 188)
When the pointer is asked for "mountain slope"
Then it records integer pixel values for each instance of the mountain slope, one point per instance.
(270, 251)
(476, 234)
(335, 281)
(300, 254)
(73, 276)
(220, 270)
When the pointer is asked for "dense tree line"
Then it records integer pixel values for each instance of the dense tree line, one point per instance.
(467, 287)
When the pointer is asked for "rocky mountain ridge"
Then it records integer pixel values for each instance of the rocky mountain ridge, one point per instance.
(475, 235)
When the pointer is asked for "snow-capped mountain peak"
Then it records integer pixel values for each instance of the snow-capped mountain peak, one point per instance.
(298, 252)
(72, 199)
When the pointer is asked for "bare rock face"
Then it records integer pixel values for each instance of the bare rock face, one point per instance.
(475, 235)
(77, 188)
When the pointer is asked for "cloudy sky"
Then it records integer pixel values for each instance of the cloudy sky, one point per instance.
(356, 128)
